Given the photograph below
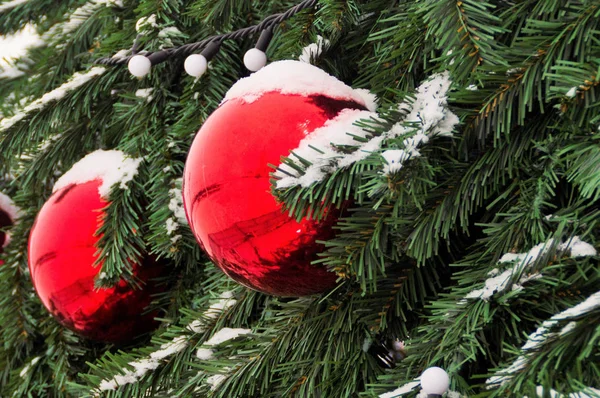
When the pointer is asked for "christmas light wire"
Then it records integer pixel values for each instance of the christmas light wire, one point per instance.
(191, 48)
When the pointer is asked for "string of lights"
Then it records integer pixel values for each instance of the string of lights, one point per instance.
(200, 53)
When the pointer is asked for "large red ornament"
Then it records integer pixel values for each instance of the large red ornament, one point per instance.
(61, 257)
(227, 197)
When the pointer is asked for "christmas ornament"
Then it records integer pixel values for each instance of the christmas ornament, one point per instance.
(435, 381)
(62, 251)
(226, 187)
(8, 215)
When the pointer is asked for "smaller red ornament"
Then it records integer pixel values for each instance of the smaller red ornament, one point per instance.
(62, 247)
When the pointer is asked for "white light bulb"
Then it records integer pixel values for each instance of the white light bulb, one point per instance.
(195, 65)
(435, 380)
(254, 59)
(139, 65)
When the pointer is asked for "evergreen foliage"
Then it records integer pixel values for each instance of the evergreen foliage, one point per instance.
(522, 169)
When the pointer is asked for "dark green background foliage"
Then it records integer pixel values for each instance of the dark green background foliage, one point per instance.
(413, 244)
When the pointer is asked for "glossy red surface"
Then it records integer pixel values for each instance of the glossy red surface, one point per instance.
(227, 198)
(61, 258)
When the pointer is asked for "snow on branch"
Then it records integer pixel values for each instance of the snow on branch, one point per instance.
(426, 116)
(405, 389)
(313, 50)
(15, 46)
(176, 206)
(58, 93)
(541, 335)
(11, 4)
(522, 262)
(144, 365)
(111, 167)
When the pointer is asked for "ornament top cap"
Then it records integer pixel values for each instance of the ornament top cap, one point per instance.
(300, 78)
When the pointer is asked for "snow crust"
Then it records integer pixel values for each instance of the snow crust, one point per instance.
(76, 81)
(221, 336)
(153, 361)
(405, 389)
(295, 77)
(11, 4)
(176, 206)
(16, 46)
(313, 50)
(111, 167)
(572, 92)
(499, 282)
(145, 22)
(426, 116)
(335, 132)
(145, 93)
(541, 335)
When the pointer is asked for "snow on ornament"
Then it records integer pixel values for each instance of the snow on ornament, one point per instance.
(62, 251)
(226, 186)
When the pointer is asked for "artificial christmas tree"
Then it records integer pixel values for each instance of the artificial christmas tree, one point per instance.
(467, 194)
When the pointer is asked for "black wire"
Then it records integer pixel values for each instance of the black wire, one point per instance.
(191, 48)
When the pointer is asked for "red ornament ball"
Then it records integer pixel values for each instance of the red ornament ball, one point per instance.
(227, 191)
(61, 262)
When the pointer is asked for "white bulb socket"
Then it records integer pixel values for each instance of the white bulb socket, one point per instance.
(139, 66)
(435, 381)
(196, 65)
(255, 59)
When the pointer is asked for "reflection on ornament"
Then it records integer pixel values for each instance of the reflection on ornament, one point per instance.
(227, 198)
(62, 249)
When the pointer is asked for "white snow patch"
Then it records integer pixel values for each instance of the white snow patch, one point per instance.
(144, 365)
(427, 116)
(26, 368)
(111, 167)
(405, 389)
(215, 380)
(204, 354)
(11, 4)
(78, 17)
(145, 23)
(313, 50)
(170, 31)
(76, 81)
(337, 131)
(145, 93)
(589, 392)
(226, 334)
(472, 87)
(537, 338)
(170, 348)
(121, 53)
(500, 281)
(578, 248)
(176, 206)
(572, 92)
(15, 46)
(295, 77)
(221, 336)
